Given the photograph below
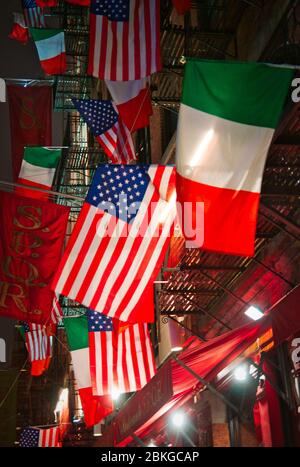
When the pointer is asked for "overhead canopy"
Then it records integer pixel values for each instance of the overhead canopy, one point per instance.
(207, 360)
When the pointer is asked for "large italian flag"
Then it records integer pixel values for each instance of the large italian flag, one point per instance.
(227, 117)
(37, 170)
(95, 408)
(50, 44)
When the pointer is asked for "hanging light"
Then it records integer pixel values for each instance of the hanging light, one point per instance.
(97, 431)
(178, 419)
(151, 445)
(254, 313)
(115, 395)
(241, 373)
(61, 403)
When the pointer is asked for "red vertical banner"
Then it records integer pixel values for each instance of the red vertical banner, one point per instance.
(31, 241)
(267, 412)
(30, 110)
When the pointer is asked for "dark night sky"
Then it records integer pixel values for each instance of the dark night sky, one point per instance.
(17, 61)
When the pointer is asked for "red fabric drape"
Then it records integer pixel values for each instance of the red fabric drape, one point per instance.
(182, 6)
(31, 241)
(267, 413)
(30, 110)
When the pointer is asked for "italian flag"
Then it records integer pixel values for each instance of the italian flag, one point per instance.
(227, 117)
(19, 30)
(133, 101)
(50, 44)
(95, 408)
(37, 170)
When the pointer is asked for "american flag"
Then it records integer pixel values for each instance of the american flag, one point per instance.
(39, 339)
(124, 39)
(34, 15)
(40, 438)
(56, 312)
(110, 131)
(46, 3)
(39, 342)
(119, 241)
(121, 356)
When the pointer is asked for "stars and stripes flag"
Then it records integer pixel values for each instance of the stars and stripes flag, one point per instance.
(109, 130)
(39, 344)
(124, 39)
(119, 241)
(32, 437)
(121, 356)
(39, 340)
(56, 312)
(34, 15)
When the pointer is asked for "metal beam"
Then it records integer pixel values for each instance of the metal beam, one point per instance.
(280, 217)
(211, 388)
(189, 291)
(169, 150)
(208, 267)
(205, 312)
(138, 440)
(180, 312)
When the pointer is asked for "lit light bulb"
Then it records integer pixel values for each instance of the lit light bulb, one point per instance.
(254, 313)
(241, 373)
(178, 419)
(115, 395)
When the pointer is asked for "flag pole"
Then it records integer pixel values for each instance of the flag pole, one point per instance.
(42, 190)
(49, 147)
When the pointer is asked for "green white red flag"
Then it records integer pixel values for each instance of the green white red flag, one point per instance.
(95, 408)
(50, 44)
(38, 169)
(227, 118)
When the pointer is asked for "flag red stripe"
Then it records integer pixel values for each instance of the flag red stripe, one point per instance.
(229, 216)
(125, 54)
(157, 35)
(114, 55)
(75, 234)
(56, 65)
(92, 39)
(83, 251)
(147, 19)
(137, 51)
(108, 268)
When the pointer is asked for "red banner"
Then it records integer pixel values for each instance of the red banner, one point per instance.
(30, 110)
(31, 242)
(141, 407)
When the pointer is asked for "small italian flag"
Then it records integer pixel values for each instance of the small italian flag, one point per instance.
(37, 170)
(50, 44)
(19, 30)
(95, 408)
(227, 117)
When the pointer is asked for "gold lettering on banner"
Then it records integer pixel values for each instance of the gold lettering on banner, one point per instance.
(33, 273)
(18, 266)
(28, 118)
(20, 247)
(17, 296)
(35, 219)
